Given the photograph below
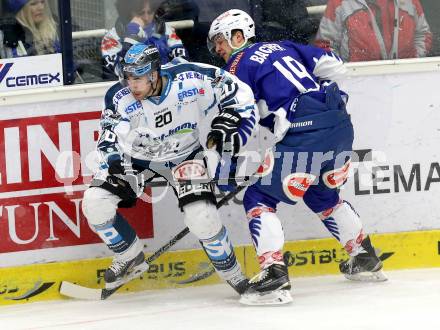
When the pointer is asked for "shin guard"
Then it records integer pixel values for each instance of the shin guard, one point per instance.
(120, 237)
(221, 253)
(344, 224)
(266, 230)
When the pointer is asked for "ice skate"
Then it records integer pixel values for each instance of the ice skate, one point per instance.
(366, 266)
(122, 271)
(239, 283)
(270, 287)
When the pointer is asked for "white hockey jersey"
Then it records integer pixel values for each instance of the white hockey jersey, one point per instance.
(167, 127)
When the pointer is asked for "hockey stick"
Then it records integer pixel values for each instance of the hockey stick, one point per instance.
(72, 290)
(243, 180)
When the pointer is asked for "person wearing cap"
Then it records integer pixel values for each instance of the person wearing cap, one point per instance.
(30, 30)
(140, 21)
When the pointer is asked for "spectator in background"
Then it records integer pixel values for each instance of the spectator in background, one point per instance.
(432, 13)
(193, 37)
(284, 20)
(367, 30)
(137, 22)
(30, 30)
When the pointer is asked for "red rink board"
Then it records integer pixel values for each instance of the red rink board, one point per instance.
(36, 210)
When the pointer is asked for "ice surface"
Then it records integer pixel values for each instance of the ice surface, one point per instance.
(409, 300)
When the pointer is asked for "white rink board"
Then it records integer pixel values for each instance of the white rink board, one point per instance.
(395, 115)
(27, 72)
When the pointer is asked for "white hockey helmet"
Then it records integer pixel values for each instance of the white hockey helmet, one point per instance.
(224, 24)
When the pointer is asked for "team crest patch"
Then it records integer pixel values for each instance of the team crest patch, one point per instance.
(257, 211)
(295, 185)
(267, 166)
(336, 178)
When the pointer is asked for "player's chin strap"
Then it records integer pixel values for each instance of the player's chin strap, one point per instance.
(72, 290)
(157, 89)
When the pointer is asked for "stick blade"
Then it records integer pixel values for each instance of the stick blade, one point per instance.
(72, 290)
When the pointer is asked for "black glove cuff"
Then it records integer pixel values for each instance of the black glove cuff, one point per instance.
(227, 116)
(115, 167)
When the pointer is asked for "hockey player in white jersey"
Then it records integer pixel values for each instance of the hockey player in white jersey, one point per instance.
(154, 129)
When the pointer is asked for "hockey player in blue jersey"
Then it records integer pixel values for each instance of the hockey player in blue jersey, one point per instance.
(306, 112)
(154, 128)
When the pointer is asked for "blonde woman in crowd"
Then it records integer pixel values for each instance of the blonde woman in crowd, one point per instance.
(31, 31)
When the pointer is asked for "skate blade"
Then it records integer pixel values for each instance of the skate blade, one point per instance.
(278, 297)
(134, 273)
(378, 276)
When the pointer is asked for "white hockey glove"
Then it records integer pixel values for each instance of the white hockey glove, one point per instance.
(224, 133)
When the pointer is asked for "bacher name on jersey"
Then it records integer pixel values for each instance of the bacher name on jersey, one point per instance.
(279, 72)
(167, 127)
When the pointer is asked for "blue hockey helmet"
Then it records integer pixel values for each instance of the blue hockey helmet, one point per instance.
(140, 60)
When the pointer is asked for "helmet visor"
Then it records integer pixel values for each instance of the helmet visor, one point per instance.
(136, 70)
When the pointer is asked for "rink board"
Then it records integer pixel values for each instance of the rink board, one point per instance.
(47, 157)
(185, 268)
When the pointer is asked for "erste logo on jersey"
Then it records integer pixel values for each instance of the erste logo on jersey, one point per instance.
(190, 92)
(132, 107)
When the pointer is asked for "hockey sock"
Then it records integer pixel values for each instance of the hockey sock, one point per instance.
(270, 258)
(221, 253)
(344, 224)
(119, 236)
(266, 230)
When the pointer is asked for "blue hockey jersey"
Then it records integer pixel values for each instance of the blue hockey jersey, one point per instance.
(280, 72)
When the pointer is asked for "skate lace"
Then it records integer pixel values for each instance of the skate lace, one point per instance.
(260, 276)
(354, 265)
(350, 264)
(118, 266)
(236, 279)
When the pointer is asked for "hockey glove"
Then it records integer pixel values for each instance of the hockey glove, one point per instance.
(224, 133)
(125, 184)
(116, 167)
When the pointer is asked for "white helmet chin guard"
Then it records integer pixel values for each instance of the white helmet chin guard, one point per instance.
(233, 19)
